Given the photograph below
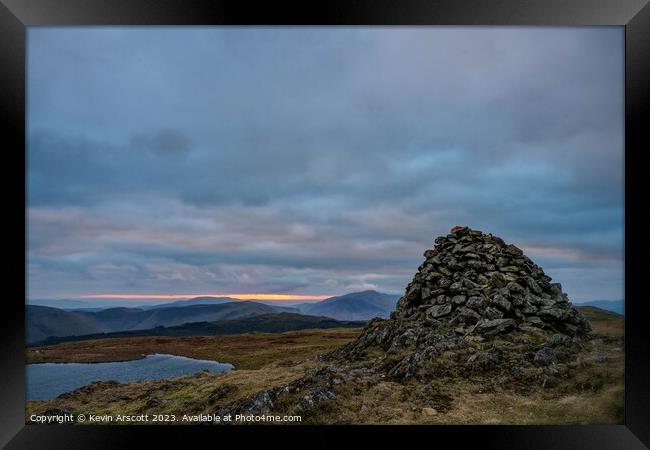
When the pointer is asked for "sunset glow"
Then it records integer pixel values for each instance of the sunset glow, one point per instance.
(236, 296)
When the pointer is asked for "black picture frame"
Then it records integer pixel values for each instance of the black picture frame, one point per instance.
(634, 15)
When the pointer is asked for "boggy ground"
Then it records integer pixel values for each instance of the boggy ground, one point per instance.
(284, 374)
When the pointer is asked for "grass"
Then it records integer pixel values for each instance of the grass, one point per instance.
(590, 391)
(246, 351)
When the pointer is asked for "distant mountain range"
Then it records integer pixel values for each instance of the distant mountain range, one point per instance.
(217, 315)
(363, 305)
(98, 305)
(617, 306)
(44, 321)
(218, 301)
(267, 323)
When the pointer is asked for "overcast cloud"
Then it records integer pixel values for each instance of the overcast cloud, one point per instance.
(316, 160)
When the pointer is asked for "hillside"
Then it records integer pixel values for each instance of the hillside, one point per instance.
(616, 306)
(43, 322)
(193, 301)
(482, 335)
(363, 305)
(219, 301)
(263, 323)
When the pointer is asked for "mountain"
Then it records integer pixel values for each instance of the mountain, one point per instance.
(90, 305)
(62, 304)
(266, 323)
(43, 322)
(617, 306)
(194, 301)
(218, 301)
(363, 305)
(99, 304)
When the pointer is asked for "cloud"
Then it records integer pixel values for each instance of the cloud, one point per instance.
(164, 142)
(317, 159)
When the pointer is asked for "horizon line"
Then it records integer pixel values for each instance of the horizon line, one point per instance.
(278, 297)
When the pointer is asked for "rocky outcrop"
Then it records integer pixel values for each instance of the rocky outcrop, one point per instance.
(477, 307)
(471, 285)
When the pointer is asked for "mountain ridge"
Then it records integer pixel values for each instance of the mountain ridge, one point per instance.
(278, 322)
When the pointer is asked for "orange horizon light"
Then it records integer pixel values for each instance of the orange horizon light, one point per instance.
(182, 296)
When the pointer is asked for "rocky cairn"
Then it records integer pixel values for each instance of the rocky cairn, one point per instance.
(477, 309)
(472, 286)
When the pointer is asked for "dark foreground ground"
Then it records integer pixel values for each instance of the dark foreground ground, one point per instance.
(588, 390)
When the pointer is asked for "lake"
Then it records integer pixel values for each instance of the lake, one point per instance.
(48, 380)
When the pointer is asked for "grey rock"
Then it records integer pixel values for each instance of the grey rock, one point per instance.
(457, 287)
(442, 299)
(152, 402)
(458, 300)
(315, 396)
(497, 279)
(545, 357)
(439, 310)
(527, 308)
(475, 302)
(495, 326)
(493, 313)
(499, 301)
(468, 315)
(559, 339)
(486, 360)
(551, 314)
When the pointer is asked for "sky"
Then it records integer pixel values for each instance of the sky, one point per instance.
(317, 161)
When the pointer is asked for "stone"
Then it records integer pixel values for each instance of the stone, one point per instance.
(468, 315)
(458, 300)
(497, 279)
(457, 287)
(493, 313)
(439, 310)
(536, 321)
(429, 412)
(559, 339)
(495, 326)
(513, 250)
(474, 302)
(473, 287)
(555, 288)
(514, 289)
(551, 314)
(545, 357)
(527, 308)
(500, 302)
(486, 360)
(532, 284)
(432, 276)
(413, 293)
(152, 402)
